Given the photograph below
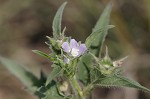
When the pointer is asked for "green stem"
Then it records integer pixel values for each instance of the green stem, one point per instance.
(77, 87)
(88, 89)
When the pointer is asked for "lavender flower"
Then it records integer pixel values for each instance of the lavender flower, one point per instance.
(73, 48)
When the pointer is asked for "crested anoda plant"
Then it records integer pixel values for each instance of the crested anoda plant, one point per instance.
(77, 67)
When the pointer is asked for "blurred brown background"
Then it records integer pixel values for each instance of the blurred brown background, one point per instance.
(25, 23)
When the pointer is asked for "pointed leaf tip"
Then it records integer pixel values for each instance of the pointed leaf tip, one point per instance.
(96, 39)
(110, 26)
(120, 81)
(57, 21)
(42, 54)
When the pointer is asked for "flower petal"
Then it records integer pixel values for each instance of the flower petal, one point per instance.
(75, 52)
(66, 47)
(66, 60)
(82, 49)
(73, 44)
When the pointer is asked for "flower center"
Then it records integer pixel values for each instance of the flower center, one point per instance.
(74, 52)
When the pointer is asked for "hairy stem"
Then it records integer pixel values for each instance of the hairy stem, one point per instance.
(77, 87)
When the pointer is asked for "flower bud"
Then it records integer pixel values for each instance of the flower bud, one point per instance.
(64, 86)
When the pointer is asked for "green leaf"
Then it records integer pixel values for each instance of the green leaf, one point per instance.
(57, 21)
(95, 74)
(52, 41)
(49, 92)
(42, 79)
(120, 81)
(83, 69)
(95, 41)
(26, 77)
(42, 54)
(55, 72)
